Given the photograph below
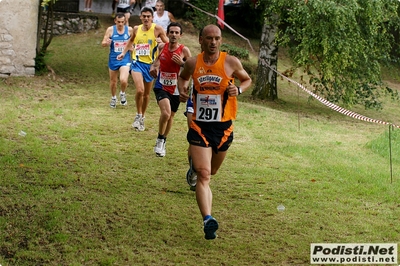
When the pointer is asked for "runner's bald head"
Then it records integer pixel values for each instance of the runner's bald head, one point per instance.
(210, 27)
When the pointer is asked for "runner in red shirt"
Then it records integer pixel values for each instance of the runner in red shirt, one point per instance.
(166, 68)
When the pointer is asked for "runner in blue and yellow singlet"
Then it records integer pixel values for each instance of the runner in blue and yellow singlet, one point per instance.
(144, 38)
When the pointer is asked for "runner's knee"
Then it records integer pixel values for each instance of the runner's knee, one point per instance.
(124, 82)
(203, 175)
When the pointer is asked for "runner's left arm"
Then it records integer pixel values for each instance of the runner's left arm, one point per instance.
(154, 68)
(129, 44)
(234, 66)
(171, 17)
(161, 34)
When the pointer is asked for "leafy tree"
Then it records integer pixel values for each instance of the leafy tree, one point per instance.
(338, 43)
(394, 26)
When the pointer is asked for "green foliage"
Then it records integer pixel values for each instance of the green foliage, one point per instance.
(40, 64)
(198, 18)
(340, 44)
(45, 3)
(239, 52)
(393, 25)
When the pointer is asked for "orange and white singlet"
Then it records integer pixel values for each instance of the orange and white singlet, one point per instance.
(211, 102)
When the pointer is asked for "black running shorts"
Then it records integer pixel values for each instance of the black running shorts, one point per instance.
(217, 135)
(173, 99)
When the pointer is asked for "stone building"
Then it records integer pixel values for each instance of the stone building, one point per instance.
(19, 26)
(18, 31)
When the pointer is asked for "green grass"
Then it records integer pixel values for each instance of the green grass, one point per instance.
(83, 188)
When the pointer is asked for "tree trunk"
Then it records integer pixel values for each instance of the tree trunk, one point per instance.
(266, 87)
(39, 28)
(43, 43)
(49, 27)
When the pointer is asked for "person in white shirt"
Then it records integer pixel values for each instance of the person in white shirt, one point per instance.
(162, 17)
(151, 4)
(124, 6)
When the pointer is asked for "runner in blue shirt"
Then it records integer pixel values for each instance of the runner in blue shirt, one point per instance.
(116, 37)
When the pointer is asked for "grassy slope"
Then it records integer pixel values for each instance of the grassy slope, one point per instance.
(82, 188)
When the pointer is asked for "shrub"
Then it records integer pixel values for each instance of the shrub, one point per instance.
(250, 68)
(240, 53)
(199, 19)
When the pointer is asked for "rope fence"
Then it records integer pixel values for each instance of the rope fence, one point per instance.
(332, 105)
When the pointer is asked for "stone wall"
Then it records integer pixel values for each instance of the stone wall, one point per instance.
(18, 30)
(67, 23)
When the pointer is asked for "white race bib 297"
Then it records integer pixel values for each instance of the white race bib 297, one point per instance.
(208, 108)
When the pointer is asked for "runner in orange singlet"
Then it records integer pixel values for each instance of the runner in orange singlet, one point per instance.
(215, 106)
